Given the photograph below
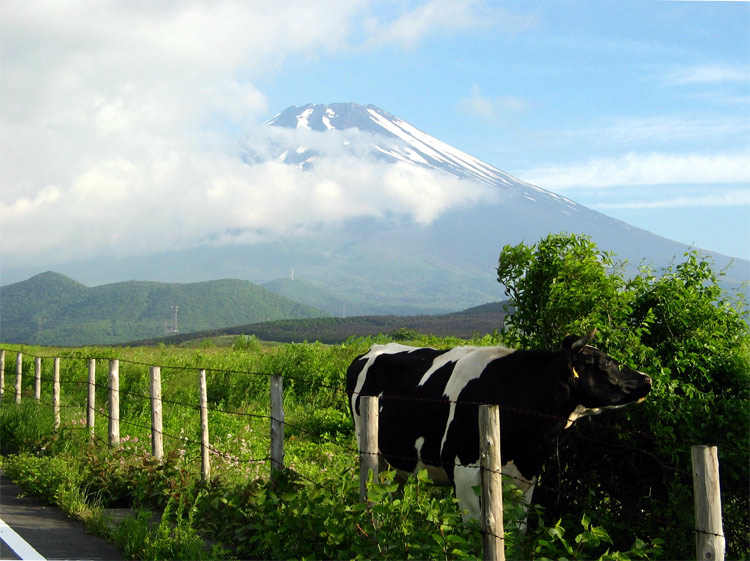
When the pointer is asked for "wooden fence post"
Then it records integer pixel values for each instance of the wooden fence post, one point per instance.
(56, 392)
(493, 532)
(38, 378)
(205, 460)
(277, 423)
(157, 442)
(368, 442)
(91, 402)
(710, 543)
(114, 402)
(19, 374)
(2, 374)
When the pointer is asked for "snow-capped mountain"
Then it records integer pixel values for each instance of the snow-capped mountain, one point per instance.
(463, 243)
(387, 218)
(395, 140)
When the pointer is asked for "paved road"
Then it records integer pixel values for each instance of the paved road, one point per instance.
(48, 532)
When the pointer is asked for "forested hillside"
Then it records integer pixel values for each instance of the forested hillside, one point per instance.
(52, 309)
(480, 320)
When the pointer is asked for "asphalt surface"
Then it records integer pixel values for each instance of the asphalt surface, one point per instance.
(50, 533)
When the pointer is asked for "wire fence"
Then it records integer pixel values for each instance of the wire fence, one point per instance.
(232, 451)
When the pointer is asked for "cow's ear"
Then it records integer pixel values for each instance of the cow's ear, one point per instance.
(568, 341)
(576, 344)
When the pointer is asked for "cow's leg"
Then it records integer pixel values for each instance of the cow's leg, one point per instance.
(526, 504)
(465, 478)
(526, 486)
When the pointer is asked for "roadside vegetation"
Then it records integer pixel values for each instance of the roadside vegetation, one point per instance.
(618, 487)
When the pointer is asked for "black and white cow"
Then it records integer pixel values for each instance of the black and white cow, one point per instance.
(429, 405)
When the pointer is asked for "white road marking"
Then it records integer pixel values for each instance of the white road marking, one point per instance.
(18, 544)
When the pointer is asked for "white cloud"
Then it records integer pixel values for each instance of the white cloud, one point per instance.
(165, 201)
(707, 74)
(728, 198)
(644, 169)
(496, 108)
(669, 129)
(114, 115)
(440, 17)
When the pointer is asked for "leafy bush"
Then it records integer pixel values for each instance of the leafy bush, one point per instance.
(551, 543)
(42, 476)
(247, 343)
(632, 469)
(24, 427)
(123, 478)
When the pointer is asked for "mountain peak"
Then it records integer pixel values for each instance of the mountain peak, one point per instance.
(321, 117)
(397, 141)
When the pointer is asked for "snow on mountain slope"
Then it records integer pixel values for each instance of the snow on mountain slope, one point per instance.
(398, 141)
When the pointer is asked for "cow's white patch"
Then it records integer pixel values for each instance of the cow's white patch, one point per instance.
(517, 477)
(453, 355)
(469, 367)
(465, 479)
(526, 486)
(578, 412)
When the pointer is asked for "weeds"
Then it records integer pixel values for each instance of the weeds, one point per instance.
(310, 510)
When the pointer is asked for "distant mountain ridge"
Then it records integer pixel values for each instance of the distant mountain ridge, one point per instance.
(478, 321)
(52, 309)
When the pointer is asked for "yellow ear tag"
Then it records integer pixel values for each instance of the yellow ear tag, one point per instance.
(575, 374)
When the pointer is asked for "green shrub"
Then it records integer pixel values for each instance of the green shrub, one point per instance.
(43, 476)
(248, 343)
(23, 427)
(632, 468)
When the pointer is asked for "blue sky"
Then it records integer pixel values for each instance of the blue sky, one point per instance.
(119, 120)
(627, 107)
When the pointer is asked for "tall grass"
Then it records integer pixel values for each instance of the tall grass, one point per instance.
(311, 510)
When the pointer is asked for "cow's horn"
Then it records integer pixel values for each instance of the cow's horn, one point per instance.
(583, 341)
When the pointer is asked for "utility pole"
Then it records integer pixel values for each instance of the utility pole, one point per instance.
(175, 309)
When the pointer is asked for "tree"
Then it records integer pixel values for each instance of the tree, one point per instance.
(689, 336)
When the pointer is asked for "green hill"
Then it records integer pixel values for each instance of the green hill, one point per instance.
(52, 309)
(480, 320)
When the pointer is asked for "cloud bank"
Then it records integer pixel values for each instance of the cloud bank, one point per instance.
(644, 169)
(115, 118)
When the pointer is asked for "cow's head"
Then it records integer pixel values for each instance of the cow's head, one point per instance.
(597, 381)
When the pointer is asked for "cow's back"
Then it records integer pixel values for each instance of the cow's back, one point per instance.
(392, 368)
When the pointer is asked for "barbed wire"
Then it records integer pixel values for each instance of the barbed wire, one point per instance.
(436, 400)
(331, 490)
(441, 400)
